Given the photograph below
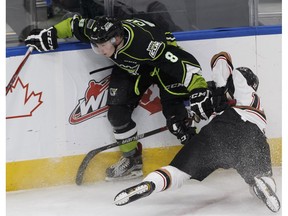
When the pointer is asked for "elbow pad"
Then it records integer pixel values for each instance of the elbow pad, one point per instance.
(78, 29)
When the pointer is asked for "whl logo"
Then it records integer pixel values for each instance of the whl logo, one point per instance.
(23, 102)
(94, 102)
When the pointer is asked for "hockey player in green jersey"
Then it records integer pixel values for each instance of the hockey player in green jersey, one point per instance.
(143, 55)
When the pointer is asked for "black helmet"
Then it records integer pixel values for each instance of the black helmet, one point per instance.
(105, 29)
(251, 78)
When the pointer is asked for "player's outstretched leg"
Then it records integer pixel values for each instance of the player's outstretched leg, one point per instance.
(127, 167)
(134, 193)
(265, 190)
(159, 180)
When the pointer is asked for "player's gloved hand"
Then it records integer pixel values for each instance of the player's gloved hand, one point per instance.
(221, 99)
(181, 128)
(200, 102)
(42, 39)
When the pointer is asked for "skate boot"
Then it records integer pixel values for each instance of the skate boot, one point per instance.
(265, 189)
(134, 193)
(127, 167)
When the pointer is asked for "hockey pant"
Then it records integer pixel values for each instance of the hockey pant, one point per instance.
(226, 142)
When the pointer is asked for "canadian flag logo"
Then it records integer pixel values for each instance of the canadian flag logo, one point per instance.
(28, 103)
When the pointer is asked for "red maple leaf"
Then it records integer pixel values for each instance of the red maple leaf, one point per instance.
(30, 101)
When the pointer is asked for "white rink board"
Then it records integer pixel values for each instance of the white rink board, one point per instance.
(38, 130)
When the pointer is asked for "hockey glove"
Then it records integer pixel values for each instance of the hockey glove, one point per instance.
(219, 100)
(181, 129)
(42, 39)
(222, 98)
(201, 105)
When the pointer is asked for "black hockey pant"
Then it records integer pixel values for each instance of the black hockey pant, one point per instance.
(226, 142)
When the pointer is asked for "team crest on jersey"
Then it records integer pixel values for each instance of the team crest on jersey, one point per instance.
(153, 48)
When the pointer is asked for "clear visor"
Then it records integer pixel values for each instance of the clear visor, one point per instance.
(95, 48)
(106, 48)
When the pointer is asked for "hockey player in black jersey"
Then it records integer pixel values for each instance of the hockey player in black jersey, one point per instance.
(143, 55)
(234, 138)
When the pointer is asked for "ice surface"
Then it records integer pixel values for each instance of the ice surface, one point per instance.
(222, 193)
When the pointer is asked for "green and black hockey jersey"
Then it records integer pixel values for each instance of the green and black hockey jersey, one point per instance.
(146, 45)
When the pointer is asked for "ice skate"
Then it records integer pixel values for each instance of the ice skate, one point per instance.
(265, 189)
(134, 193)
(127, 167)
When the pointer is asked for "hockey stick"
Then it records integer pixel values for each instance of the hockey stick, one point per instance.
(101, 69)
(14, 77)
(94, 152)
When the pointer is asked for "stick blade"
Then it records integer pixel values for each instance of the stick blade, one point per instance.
(83, 166)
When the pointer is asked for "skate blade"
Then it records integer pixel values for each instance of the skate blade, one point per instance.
(271, 199)
(133, 175)
(131, 194)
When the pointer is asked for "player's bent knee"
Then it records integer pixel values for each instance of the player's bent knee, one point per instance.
(119, 115)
